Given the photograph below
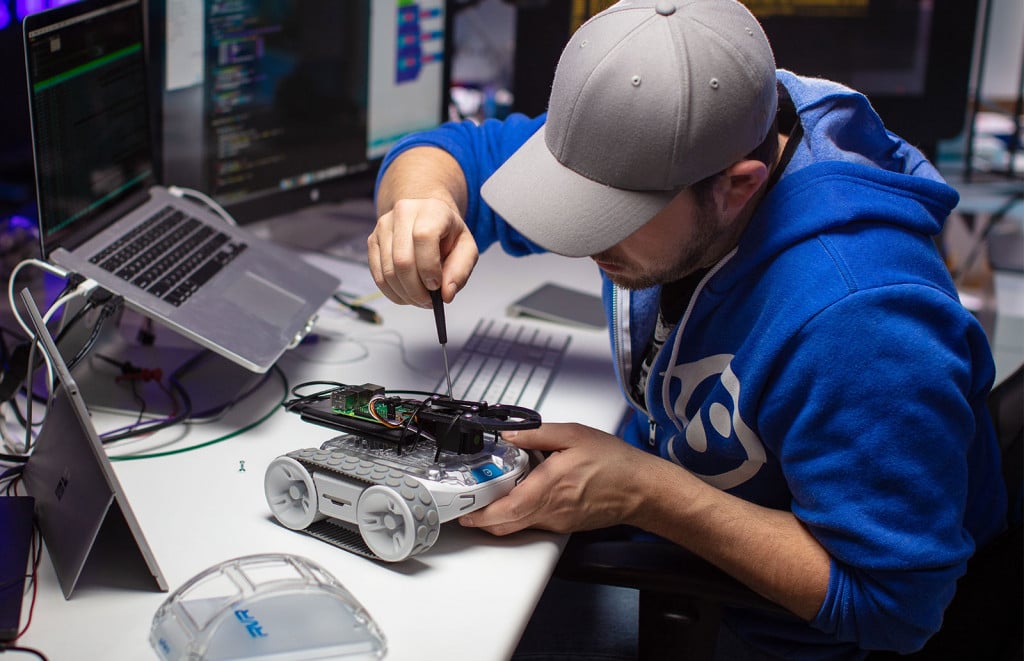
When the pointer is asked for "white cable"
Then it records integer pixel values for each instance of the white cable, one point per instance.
(60, 302)
(177, 191)
(55, 270)
(83, 289)
(28, 376)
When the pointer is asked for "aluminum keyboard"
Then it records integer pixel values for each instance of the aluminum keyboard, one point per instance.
(506, 363)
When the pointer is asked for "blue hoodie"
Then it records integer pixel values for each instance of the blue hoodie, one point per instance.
(825, 366)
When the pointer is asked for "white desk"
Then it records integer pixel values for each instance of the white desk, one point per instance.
(468, 597)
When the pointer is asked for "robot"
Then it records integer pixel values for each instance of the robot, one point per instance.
(402, 468)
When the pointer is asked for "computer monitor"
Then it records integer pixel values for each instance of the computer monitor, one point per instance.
(269, 106)
(16, 176)
(912, 58)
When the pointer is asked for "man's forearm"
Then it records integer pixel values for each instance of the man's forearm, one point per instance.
(769, 550)
(420, 173)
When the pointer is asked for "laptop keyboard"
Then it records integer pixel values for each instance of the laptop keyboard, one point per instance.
(170, 255)
(505, 363)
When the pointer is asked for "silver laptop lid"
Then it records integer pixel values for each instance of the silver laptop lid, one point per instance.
(224, 288)
(92, 136)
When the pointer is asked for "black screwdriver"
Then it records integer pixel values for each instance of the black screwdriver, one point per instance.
(442, 333)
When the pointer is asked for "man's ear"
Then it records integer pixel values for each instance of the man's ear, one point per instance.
(738, 185)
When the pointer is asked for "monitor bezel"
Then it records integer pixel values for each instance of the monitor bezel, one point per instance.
(939, 112)
(358, 183)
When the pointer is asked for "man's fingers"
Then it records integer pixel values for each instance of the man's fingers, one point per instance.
(404, 275)
(419, 246)
(459, 262)
(510, 514)
(549, 437)
(378, 253)
(421, 227)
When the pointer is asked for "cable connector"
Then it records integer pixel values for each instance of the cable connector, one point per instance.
(132, 372)
(85, 287)
(145, 336)
(75, 279)
(369, 315)
(205, 199)
(101, 296)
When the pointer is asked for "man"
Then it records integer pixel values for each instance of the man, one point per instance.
(807, 391)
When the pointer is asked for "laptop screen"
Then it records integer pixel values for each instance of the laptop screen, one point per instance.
(90, 116)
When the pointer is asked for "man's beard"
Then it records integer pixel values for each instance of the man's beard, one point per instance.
(690, 258)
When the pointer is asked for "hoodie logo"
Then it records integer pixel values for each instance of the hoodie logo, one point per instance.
(717, 421)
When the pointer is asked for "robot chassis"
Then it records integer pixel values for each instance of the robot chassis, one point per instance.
(403, 467)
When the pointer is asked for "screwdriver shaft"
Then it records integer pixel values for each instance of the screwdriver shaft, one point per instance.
(447, 373)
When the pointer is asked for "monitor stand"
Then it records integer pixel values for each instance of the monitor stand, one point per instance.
(109, 382)
(338, 229)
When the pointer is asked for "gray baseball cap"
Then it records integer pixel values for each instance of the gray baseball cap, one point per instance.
(648, 98)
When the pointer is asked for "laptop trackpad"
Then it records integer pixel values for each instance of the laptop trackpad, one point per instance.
(263, 299)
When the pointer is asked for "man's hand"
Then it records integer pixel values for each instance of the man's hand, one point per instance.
(421, 242)
(418, 246)
(585, 483)
(595, 480)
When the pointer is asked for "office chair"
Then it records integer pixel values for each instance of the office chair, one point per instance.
(682, 596)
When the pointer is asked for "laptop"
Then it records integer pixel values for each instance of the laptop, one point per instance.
(82, 512)
(103, 215)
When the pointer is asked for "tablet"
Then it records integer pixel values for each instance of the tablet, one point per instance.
(79, 504)
(553, 302)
